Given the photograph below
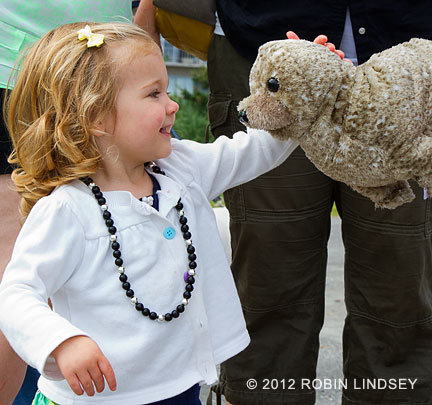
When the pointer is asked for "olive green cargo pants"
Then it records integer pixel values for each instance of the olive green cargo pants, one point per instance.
(280, 224)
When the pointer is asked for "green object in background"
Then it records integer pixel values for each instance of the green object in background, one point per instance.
(41, 399)
(191, 120)
(22, 22)
(334, 210)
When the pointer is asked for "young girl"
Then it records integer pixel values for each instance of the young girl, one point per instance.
(119, 233)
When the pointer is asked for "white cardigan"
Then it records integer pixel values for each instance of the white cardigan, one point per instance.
(63, 252)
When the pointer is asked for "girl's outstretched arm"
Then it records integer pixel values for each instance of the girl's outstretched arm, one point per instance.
(84, 366)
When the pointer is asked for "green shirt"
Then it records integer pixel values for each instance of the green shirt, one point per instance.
(22, 22)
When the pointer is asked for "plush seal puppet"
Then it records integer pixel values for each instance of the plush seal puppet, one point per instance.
(367, 126)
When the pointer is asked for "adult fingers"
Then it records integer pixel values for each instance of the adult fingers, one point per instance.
(108, 372)
(292, 35)
(340, 53)
(320, 39)
(330, 46)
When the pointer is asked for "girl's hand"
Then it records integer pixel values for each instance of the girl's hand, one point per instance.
(322, 40)
(83, 364)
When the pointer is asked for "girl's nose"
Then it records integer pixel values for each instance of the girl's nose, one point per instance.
(172, 107)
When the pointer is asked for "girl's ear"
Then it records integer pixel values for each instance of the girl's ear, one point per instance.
(99, 128)
(104, 125)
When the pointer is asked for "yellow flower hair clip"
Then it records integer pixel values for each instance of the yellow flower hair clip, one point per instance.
(92, 39)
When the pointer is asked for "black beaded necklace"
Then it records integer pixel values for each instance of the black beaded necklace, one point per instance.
(189, 276)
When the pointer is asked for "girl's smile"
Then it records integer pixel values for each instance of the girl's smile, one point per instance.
(166, 131)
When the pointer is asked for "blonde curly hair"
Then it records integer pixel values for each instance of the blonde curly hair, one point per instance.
(63, 89)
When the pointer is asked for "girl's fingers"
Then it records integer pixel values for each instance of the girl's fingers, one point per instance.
(86, 383)
(108, 372)
(292, 35)
(320, 39)
(97, 377)
(84, 366)
(74, 383)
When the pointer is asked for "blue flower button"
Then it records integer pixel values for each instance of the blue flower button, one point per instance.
(169, 233)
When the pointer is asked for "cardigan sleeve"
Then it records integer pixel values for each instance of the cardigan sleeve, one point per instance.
(227, 162)
(48, 249)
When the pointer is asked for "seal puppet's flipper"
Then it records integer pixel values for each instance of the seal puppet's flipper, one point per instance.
(389, 196)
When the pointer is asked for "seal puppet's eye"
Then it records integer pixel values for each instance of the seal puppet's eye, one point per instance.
(273, 84)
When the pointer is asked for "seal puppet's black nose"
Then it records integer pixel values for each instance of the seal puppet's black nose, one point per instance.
(243, 117)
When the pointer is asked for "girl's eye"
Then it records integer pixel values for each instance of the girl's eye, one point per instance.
(155, 93)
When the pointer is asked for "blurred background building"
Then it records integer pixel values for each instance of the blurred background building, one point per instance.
(181, 67)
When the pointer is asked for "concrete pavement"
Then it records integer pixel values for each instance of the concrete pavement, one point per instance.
(330, 356)
(329, 369)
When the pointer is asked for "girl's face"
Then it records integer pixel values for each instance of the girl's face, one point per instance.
(139, 129)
